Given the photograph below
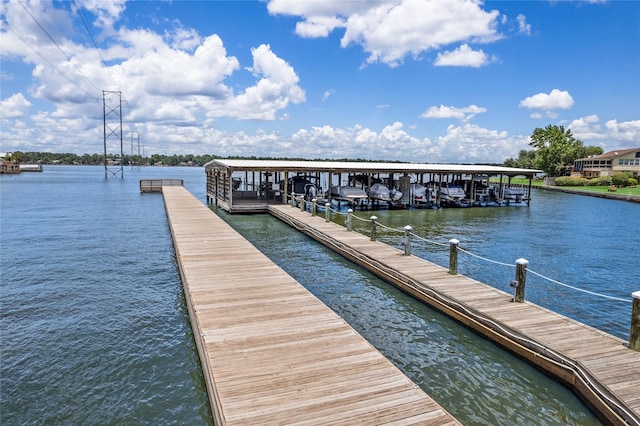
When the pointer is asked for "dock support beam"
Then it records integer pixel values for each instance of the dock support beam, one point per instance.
(521, 278)
(453, 256)
(634, 336)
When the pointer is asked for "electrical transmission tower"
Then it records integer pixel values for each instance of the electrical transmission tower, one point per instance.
(112, 110)
(135, 135)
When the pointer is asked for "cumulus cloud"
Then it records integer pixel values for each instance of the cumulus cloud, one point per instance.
(589, 130)
(463, 56)
(179, 75)
(463, 114)
(556, 99)
(390, 30)
(14, 106)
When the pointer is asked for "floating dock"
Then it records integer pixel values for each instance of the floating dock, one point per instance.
(599, 367)
(271, 352)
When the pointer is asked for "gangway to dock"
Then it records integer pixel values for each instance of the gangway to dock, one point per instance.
(599, 367)
(271, 352)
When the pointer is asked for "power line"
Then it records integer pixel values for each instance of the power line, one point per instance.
(102, 60)
(57, 45)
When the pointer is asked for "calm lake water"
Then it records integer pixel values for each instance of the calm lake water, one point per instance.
(95, 330)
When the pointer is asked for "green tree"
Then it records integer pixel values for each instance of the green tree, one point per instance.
(556, 149)
(526, 160)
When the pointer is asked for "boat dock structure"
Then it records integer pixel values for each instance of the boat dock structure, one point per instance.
(272, 353)
(248, 186)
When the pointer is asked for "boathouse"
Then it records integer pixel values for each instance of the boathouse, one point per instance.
(247, 186)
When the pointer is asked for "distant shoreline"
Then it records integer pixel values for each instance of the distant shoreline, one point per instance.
(608, 195)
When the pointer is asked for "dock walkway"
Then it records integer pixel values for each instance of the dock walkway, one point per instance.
(597, 366)
(271, 352)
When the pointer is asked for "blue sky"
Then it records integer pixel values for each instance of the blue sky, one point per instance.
(405, 80)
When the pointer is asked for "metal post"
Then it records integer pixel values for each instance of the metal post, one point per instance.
(373, 227)
(314, 207)
(453, 256)
(327, 212)
(521, 278)
(349, 222)
(407, 240)
(634, 336)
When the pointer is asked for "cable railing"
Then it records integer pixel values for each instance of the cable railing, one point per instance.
(521, 265)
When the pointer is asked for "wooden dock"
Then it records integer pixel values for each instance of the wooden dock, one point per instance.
(599, 367)
(271, 352)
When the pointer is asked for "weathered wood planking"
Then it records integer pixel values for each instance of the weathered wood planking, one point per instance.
(271, 352)
(580, 353)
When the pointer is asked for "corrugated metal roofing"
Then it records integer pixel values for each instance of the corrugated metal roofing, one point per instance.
(372, 167)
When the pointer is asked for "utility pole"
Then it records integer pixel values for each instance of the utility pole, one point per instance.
(112, 126)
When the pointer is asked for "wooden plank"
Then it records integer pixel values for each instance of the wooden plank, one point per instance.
(605, 357)
(271, 352)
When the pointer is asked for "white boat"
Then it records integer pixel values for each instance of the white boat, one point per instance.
(423, 195)
(381, 192)
(513, 194)
(451, 194)
(350, 193)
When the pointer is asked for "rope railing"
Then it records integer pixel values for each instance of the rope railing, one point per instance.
(619, 299)
(485, 259)
(518, 284)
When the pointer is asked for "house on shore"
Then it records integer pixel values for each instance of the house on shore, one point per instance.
(608, 164)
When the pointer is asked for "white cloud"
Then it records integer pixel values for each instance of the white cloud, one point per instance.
(523, 26)
(390, 30)
(14, 106)
(463, 56)
(463, 114)
(556, 99)
(277, 88)
(470, 143)
(588, 130)
(327, 93)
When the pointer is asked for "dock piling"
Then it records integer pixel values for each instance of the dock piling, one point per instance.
(453, 256)
(314, 207)
(373, 227)
(327, 212)
(349, 222)
(407, 240)
(293, 199)
(303, 203)
(521, 278)
(634, 335)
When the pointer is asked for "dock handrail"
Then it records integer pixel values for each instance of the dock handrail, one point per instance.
(155, 185)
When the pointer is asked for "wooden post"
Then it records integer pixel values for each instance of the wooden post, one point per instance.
(634, 337)
(453, 256)
(293, 199)
(373, 227)
(314, 207)
(303, 203)
(349, 219)
(521, 278)
(327, 212)
(407, 240)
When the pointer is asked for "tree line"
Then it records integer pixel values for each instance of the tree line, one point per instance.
(554, 151)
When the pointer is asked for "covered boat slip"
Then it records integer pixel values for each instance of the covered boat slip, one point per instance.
(239, 186)
(271, 352)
